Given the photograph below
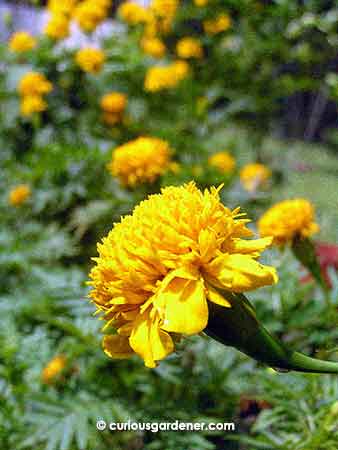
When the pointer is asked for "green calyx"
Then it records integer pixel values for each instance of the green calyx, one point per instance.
(239, 327)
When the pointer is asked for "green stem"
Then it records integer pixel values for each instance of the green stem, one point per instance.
(239, 327)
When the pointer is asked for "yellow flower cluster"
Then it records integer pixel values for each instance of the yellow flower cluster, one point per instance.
(218, 25)
(153, 46)
(32, 87)
(164, 12)
(19, 194)
(53, 369)
(21, 42)
(90, 59)
(90, 13)
(113, 105)
(223, 161)
(189, 47)
(65, 7)
(254, 175)
(158, 268)
(57, 26)
(142, 160)
(201, 3)
(164, 77)
(287, 220)
(134, 14)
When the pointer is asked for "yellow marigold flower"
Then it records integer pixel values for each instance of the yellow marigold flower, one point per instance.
(21, 42)
(189, 47)
(53, 369)
(223, 161)
(113, 102)
(61, 6)
(164, 77)
(111, 118)
(89, 14)
(90, 59)
(142, 160)
(215, 26)
(133, 13)
(57, 27)
(19, 194)
(153, 46)
(288, 219)
(200, 3)
(164, 11)
(158, 268)
(34, 84)
(31, 104)
(254, 175)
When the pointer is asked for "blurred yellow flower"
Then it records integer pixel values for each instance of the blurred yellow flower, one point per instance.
(90, 59)
(288, 219)
(153, 46)
(215, 26)
(189, 47)
(114, 102)
(164, 12)
(34, 84)
(141, 160)
(57, 26)
(164, 77)
(53, 369)
(31, 104)
(158, 268)
(21, 42)
(19, 194)
(133, 13)
(223, 161)
(90, 13)
(61, 6)
(201, 3)
(254, 175)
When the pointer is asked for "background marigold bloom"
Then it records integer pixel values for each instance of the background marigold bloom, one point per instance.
(57, 27)
(189, 47)
(31, 104)
(61, 6)
(34, 83)
(90, 59)
(90, 13)
(133, 13)
(19, 194)
(158, 267)
(254, 175)
(114, 102)
(165, 77)
(223, 161)
(287, 220)
(142, 160)
(164, 11)
(53, 369)
(218, 25)
(201, 3)
(21, 41)
(153, 46)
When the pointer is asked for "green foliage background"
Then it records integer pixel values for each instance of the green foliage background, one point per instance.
(234, 100)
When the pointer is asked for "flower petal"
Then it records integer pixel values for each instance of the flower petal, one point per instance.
(117, 346)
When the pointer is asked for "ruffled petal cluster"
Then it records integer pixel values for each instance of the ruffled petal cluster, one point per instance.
(287, 220)
(21, 42)
(142, 160)
(158, 268)
(113, 105)
(223, 161)
(90, 59)
(189, 47)
(254, 176)
(165, 77)
(133, 13)
(57, 27)
(218, 25)
(32, 88)
(19, 194)
(153, 46)
(90, 13)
